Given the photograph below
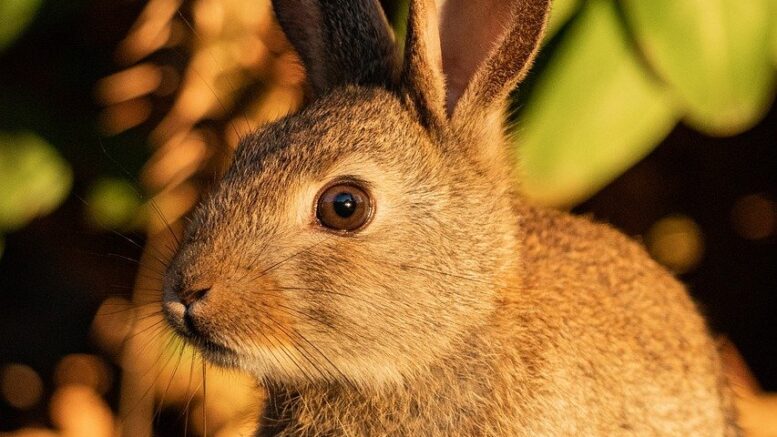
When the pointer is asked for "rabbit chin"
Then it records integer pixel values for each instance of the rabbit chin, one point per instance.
(276, 366)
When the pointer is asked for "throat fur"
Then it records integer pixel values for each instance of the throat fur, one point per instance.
(473, 391)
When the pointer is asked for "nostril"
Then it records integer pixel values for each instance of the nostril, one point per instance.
(188, 297)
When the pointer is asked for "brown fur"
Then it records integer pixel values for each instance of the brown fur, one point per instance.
(461, 309)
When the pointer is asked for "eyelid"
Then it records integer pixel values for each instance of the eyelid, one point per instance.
(346, 180)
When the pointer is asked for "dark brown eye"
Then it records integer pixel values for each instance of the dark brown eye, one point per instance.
(343, 207)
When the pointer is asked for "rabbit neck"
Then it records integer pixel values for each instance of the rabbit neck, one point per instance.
(468, 392)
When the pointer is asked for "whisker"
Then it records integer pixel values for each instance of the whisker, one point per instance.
(229, 82)
(156, 278)
(126, 308)
(158, 412)
(279, 263)
(294, 311)
(153, 383)
(272, 353)
(138, 263)
(151, 201)
(303, 352)
(322, 290)
(155, 324)
(406, 266)
(185, 413)
(152, 314)
(204, 401)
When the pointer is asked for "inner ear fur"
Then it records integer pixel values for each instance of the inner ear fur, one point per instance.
(484, 48)
(422, 76)
(340, 42)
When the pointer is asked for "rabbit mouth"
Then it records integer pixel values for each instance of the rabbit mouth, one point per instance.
(186, 327)
(212, 350)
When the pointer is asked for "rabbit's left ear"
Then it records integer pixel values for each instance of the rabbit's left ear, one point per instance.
(340, 41)
(481, 50)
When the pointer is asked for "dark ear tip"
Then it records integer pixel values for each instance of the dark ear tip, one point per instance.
(340, 42)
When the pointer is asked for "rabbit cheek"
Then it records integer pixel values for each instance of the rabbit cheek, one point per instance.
(270, 325)
(251, 318)
(229, 322)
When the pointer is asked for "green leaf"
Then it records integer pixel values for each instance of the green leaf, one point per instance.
(594, 112)
(714, 53)
(113, 203)
(773, 29)
(36, 179)
(561, 12)
(15, 15)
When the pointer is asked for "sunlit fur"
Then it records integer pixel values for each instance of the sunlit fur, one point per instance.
(368, 307)
(459, 310)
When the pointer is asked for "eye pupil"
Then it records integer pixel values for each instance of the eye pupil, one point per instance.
(344, 207)
(344, 204)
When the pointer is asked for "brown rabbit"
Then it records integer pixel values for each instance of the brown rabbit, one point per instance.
(370, 262)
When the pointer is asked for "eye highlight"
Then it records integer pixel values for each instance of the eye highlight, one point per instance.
(344, 207)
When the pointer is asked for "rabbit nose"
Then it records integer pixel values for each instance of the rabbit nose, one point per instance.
(192, 295)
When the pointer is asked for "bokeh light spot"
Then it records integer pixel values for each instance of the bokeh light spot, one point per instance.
(754, 217)
(21, 386)
(677, 242)
(83, 369)
(112, 203)
(112, 323)
(33, 432)
(78, 410)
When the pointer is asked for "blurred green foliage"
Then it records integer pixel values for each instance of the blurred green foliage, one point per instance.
(715, 54)
(772, 12)
(773, 28)
(562, 11)
(622, 74)
(113, 203)
(592, 113)
(36, 179)
(15, 15)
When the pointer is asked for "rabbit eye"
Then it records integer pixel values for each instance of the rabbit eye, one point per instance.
(344, 207)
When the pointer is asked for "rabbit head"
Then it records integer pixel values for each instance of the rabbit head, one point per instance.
(359, 239)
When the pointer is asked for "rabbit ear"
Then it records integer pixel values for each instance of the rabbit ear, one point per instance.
(340, 41)
(422, 75)
(484, 48)
(488, 47)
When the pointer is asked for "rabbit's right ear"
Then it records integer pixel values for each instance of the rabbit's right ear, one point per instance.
(340, 41)
(464, 68)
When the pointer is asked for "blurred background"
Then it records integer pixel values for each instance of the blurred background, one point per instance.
(656, 116)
